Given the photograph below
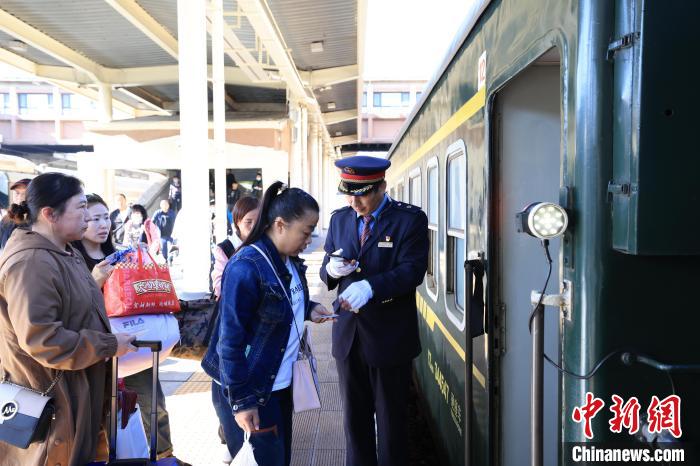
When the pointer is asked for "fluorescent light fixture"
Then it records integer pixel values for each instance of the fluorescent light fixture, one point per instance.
(317, 47)
(17, 46)
(331, 105)
(338, 133)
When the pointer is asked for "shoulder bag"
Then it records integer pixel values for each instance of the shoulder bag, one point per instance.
(25, 413)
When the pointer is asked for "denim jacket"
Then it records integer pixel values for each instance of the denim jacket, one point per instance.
(253, 327)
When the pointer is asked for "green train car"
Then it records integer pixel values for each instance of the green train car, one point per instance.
(589, 105)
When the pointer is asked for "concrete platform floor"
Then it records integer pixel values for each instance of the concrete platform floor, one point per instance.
(318, 435)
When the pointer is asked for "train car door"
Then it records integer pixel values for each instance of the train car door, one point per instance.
(526, 166)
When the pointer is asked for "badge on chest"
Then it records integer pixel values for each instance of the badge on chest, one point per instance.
(387, 243)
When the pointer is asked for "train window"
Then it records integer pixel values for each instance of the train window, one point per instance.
(414, 188)
(433, 216)
(456, 227)
(399, 192)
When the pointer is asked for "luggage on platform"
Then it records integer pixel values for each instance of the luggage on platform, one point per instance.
(155, 347)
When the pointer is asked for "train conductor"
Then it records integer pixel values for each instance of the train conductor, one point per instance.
(376, 254)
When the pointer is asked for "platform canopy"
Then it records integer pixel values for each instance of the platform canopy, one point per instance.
(277, 51)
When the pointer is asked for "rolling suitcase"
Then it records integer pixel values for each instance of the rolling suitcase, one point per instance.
(155, 347)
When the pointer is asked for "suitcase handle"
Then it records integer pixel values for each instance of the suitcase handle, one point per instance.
(155, 345)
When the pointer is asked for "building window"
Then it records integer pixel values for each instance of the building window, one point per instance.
(34, 103)
(364, 99)
(456, 230)
(419, 94)
(66, 102)
(414, 189)
(391, 99)
(4, 102)
(399, 192)
(433, 216)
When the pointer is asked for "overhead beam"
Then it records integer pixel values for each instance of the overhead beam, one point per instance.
(93, 94)
(153, 102)
(261, 18)
(239, 53)
(342, 140)
(174, 124)
(37, 39)
(136, 15)
(331, 118)
(330, 76)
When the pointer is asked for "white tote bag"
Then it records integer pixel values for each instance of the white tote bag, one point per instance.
(245, 456)
(131, 441)
(305, 389)
(160, 327)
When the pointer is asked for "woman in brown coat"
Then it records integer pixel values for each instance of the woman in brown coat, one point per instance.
(53, 323)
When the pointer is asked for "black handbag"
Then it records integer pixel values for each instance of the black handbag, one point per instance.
(25, 413)
(196, 320)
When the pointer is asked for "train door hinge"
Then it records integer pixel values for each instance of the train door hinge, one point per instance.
(617, 188)
(500, 330)
(620, 43)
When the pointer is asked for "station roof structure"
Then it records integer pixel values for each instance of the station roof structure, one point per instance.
(276, 51)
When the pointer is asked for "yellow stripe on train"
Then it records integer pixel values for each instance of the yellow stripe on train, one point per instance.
(468, 110)
(431, 319)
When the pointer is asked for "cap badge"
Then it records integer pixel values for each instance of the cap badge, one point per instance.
(349, 170)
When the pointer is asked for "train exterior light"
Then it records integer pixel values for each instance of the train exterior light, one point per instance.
(543, 220)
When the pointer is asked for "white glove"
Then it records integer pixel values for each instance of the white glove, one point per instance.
(357, 294)
(338, 267)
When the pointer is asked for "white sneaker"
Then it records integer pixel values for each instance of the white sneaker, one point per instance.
(226, 458)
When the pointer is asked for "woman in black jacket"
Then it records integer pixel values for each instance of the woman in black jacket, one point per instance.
(95, 246)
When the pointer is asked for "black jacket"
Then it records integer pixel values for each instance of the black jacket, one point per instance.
(393, 261)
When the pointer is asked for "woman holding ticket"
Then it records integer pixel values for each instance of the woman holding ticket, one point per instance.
(264, 303)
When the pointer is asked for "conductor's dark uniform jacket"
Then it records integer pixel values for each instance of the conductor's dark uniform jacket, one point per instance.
(393, 260)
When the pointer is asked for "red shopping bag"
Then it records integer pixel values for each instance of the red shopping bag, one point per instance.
(140, 287)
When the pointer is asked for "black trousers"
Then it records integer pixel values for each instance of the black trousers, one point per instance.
(367, 391)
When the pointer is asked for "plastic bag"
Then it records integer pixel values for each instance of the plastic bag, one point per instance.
(161, 327)
(245, 456)
(131, 441)
(139, 285)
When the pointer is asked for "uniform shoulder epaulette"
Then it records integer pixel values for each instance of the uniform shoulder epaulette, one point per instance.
(341, 209)
(406, 207)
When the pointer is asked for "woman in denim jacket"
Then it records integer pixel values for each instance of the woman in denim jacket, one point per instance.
(256, 340)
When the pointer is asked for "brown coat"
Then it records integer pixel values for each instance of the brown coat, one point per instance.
(52, 317)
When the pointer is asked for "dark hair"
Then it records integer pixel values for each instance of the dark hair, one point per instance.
(140, 209)
(120, 195)
(93, 198)
(241, 209)
(46, 190)
(288, 203)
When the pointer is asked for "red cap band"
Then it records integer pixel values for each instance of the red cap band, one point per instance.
(362, 178)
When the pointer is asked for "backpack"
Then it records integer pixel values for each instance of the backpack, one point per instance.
(227, 246)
